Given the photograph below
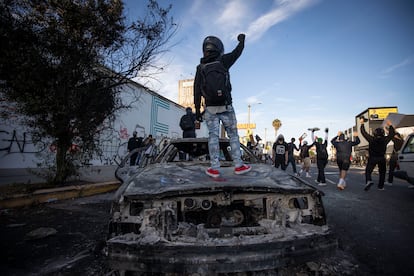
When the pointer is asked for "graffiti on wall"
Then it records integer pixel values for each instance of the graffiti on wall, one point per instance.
(13, 142)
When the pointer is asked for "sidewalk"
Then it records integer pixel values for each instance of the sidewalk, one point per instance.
(91, 180)
(28, 176)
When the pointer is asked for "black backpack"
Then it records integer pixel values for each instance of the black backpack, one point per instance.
(215, 83)
(323, 153)
(187, 122)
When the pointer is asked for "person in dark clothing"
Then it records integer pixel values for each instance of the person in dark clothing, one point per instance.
(213, 54)
(280, 153)
(398, 142)
(343, 155)
(187, 123)
(304, 155)
(321, 157)
(377, 146)
(133, 143)
(291, 157)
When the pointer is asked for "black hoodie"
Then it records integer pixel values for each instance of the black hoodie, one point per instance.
(377, 144)
(227, 59)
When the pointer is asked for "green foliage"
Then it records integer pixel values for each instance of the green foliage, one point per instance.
(62, 64)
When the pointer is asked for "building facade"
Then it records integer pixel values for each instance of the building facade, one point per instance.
(152, 114)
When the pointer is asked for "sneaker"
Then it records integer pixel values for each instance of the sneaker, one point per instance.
(369, 184)
(322, 184)
(388, 183)
(317, 181)
(340, 187)
(242, 169)
(212, 172)
(381, 189)
(308, 175)
(411, 187)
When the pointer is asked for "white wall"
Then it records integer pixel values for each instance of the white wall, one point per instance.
(152, 114)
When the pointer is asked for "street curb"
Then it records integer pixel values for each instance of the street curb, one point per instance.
(54, 194)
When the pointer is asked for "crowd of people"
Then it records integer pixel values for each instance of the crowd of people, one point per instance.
(212, 83)
(283, 154)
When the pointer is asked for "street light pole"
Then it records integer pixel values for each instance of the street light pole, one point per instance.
(248, 117)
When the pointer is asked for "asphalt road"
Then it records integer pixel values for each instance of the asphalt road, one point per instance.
(374, 228)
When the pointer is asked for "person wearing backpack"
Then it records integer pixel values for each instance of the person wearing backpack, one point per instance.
(212, 82)
(187, 124)
(321, 157)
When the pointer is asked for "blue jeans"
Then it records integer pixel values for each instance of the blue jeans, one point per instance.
(228, 119)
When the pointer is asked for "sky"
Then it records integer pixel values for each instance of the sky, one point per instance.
(308, 63)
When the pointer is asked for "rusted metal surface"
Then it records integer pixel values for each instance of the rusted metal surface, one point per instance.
(170, 217)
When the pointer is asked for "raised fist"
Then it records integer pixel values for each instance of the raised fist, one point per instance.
(199, 117)
(241, 37)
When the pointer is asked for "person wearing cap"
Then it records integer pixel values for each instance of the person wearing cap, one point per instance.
(343, 155)
(377, 146)
(321, 157)
(213, 51)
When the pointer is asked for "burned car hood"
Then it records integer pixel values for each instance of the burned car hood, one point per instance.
(164, 179)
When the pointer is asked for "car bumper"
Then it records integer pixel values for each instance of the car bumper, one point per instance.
(210, 259)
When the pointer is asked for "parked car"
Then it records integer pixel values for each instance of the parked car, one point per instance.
(406, 160)
(171, 218)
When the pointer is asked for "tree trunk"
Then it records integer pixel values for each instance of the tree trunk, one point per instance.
(64, 167)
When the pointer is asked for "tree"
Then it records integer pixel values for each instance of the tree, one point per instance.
(62, 65)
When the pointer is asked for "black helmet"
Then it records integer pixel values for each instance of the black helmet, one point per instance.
(213, 44)
(379, 132)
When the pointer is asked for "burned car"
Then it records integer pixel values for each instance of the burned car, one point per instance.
(170, 218)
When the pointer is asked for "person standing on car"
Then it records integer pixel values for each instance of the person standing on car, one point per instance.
(321, 157)
(393, 163)
(280, 152)
(343, 155)
(377, 146)
(212, 81)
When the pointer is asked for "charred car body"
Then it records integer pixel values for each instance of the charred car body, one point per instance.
(171, 218)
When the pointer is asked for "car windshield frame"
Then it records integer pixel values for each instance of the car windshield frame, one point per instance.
(196, 150)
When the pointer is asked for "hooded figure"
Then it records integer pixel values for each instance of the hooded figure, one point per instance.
(187, 123)
(280, 152)
(212, 82)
